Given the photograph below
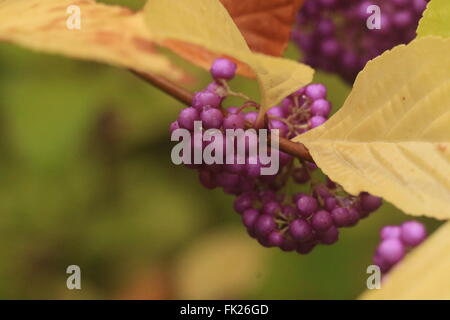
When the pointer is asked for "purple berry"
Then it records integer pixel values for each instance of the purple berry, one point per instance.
(251, 117)
(243, 202)
(229, 180)
(391, 250)
(369, 203)
(249, 218)
(234, 167)
(205, 98)
(300, 230)
(306, 247)
(215, 87)
(187, 117)
(333, 35)
(329, 48)
(353, 217)
(271, 208)
(316, 91)
(330, 203)
(253, 170)
(413, 233)
(341, 217)
(275, 239)
(419, 6)
(288, 245)
(223, 69)
(316, 121)
(300, 175)
(207, 179)
(325, 27)
(322, 191)
(276, 112)
(321, 220)
(267, 196)
(402, 19)
(384, 266)
(234, 121)
(278, 125)
(289, 212)
(321, 107)
(307, 205)
(264, 225)
(390, 232)
(284, 158)
(211, 118)
(286, 105)
(329, 237)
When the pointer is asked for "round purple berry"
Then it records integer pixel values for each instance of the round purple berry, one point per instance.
(321, 107)
(207, 179)
(341, 217)
(300, 175)
(251, 117)
(243, 202)
(206, 98)
(307, 205)
(316, 121)
(276, 112)
(316, 91)
(413, 233)
(390, 232)
(271, 208)
(275, 239)
(369, 203)
(301, 230)
(223, 69)
(264, 225)
(278, 125)
(329, 236)
(187, 117)
(321, 220)
(391, 250)
(211, 118)
(234, 121)
(249, 218)
(330, 203)
(306, 247)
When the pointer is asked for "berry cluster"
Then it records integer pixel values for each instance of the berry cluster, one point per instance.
(292, 222)
(334, 36)
(396, 241)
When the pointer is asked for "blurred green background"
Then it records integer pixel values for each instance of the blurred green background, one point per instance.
(86, 179)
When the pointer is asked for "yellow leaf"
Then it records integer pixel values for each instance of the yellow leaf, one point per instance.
(110, 34)
(206, 25)
(423, 274)
(435, 20)
(392, 136)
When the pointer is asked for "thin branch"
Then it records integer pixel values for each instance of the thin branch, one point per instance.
(181, 94)
(185, 96)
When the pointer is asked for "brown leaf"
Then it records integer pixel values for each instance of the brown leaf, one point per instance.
(110, 34)
(265, 24)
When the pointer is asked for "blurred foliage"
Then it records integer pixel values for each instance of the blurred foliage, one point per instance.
(87, 180)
